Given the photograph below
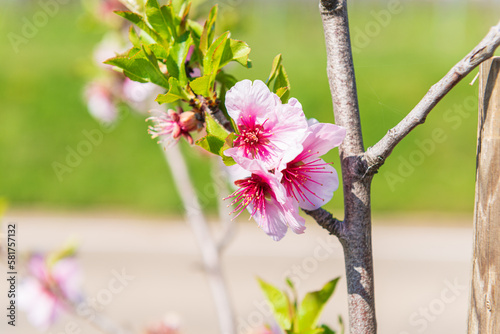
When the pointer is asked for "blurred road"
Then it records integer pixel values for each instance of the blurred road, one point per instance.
(421, 273)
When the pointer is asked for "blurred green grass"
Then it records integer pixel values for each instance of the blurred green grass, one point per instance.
(43, 113)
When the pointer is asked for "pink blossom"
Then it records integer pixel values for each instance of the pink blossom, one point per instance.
(137, 93)
(308, 178)
(45, 292)
(268, 130)
(264, 196)
(100, 102)
(169, 325)
(173, 125)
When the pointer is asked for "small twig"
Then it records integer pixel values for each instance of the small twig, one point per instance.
(208, 247)
(221, 187)
(215, 112)
(377, 154)
(327, 221)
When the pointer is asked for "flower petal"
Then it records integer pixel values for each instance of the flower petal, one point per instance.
(323, 137)
(319, 189)
(250, 99)
(273, 220)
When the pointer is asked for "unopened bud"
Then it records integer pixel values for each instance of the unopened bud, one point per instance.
(188, 121)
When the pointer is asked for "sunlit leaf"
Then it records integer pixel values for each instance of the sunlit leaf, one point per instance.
(312, 305)
(176, 92)
(280, 304)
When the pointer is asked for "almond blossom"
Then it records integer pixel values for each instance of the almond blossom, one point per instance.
(308, 178)
(267, 130)
(44, 294)
(265, 198)
(173, 125)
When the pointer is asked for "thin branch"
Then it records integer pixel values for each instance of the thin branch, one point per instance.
(208, 248)
(327, 221)
(219, 178)
(215, 111)
(376, 155)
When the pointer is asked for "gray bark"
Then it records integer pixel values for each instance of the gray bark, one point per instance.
(358, 166)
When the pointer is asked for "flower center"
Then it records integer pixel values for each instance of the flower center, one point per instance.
(252, 190)
(296, 174)
(253, 139)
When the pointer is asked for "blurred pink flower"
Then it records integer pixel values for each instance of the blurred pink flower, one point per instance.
(269, 131)
(44, 293)
(172, 125)
(138, 93)
(169, 325)
(264, 196)
(100, 102)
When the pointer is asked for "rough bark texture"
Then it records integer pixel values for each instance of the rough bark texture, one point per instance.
(484, 310)
(355, 231)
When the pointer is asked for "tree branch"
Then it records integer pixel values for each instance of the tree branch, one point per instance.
(376, 155)
(327, 221)
(208, 247)
(355, 230)
(214, 110)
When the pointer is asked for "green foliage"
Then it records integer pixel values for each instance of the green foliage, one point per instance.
(140, 65)
(281, 82)
(170, 37)
(163, 60)
(313, 304)
(176, 92)
(301, 319)
(280, 303)
(216, 136)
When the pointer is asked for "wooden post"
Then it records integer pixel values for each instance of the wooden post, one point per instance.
(484, 309)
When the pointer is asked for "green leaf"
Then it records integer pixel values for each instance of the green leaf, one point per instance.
(139, 67)
(134, 37)
(237, 51)
(159, 51)
(281, 82)
(160, 19)
(201, 86)
(210, 143)
(215, 129)
(312, 305)
(228, 143)
(195, 27)
(175, 93)
(280, 304)
(138, 20)
(327, 330)
(274, 69)
(341, 325)
(226, 80)
(176, 62)
(207, 34)
(154, 63)
(213, 57)
(216, 136)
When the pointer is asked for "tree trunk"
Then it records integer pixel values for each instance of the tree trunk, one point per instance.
(355, 230)
(484, 310)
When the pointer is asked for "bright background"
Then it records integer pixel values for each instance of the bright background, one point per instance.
(119, 201)
(398, 59)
